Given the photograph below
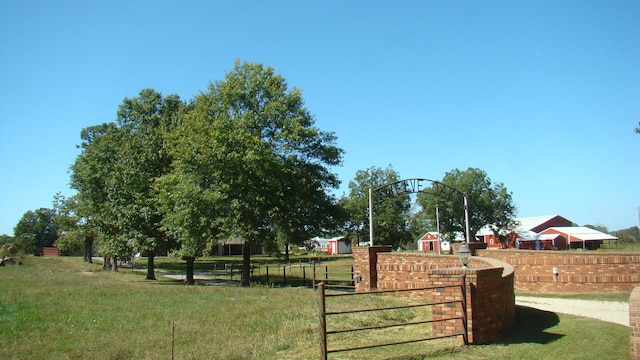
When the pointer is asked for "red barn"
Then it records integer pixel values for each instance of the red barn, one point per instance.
(429, 242)
(523, 234)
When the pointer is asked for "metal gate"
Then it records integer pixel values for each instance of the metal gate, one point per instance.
(322, 296)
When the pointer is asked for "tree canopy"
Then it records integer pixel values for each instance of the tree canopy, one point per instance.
(489, 204)
(116, 170)
(391, 225)
(243, 159)
(248, 162)
(36, 229)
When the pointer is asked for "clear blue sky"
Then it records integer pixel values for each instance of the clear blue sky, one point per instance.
(542, 95)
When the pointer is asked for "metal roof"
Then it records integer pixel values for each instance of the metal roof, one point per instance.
(528, 223)
(581, 233)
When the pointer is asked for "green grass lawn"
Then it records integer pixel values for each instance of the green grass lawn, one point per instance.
(62, 308)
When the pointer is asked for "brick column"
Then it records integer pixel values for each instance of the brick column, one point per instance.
(365, 262)
(448, 277)
(634, 322)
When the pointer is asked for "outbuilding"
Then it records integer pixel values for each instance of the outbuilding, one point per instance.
(580, 237)
(335, 245)
(523, 236)
(431, 241)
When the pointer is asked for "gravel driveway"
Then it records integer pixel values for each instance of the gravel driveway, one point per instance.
(611, 311)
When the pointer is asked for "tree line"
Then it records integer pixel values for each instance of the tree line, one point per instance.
(242, 159)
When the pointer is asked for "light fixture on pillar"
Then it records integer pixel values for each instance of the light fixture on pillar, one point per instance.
(464, 254)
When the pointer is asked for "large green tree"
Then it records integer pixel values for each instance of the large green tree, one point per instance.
(35, 230)
(92, 175)
(489, 203)
(116, 171)
(252, 162)
(391, 217)
(146, 122)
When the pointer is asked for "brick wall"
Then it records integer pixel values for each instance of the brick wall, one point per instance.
(49, 251)
(489, 294)
(634, 322)
(577, 272)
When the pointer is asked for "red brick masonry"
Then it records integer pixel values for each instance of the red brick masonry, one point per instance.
(576, 271)
(489, 287)
(634, 322)
(49, 251)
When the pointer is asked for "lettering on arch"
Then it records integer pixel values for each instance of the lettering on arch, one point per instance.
(413, 186)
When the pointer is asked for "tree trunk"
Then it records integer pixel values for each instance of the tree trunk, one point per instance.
(190, 262)
(286, 252)
(88, 249)
(246, 263)
(114, 267)
(106, 263)
(151, 267)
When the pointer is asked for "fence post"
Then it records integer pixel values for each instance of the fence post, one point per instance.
(267, 275)
(304, 277)
(313, 283)
(323, 322)
(284, 275)
(463, 289)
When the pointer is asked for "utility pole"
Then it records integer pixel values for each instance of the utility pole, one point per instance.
(370, 217)
(438, 230)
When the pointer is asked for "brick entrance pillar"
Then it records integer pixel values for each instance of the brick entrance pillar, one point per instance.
(365, 261)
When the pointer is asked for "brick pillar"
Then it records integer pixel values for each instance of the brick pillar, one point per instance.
(634, 322)
(365, 262)
(448, 277)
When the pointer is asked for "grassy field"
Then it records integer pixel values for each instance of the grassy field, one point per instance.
(63, 308)
(621, 247)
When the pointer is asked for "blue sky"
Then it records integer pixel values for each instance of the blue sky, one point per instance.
(542, 95)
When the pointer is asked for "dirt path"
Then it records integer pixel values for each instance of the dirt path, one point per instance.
(611, 311)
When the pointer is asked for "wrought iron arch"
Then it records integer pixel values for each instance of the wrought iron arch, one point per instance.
(413, 186)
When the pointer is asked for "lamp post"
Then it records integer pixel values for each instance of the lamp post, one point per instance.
(464, 254)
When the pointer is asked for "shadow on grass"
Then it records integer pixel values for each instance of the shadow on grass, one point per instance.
(530, 327)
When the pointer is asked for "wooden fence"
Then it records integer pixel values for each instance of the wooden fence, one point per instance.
(322, 296)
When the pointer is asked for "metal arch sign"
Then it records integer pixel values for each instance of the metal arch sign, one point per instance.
(411, 186)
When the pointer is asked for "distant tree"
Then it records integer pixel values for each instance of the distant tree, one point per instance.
(600, 228)
(75, 232)
(6, 245)
(35, 230)
(489, 204)
(638, 129)
(630, 235)
(391, 225)
(5, 239)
